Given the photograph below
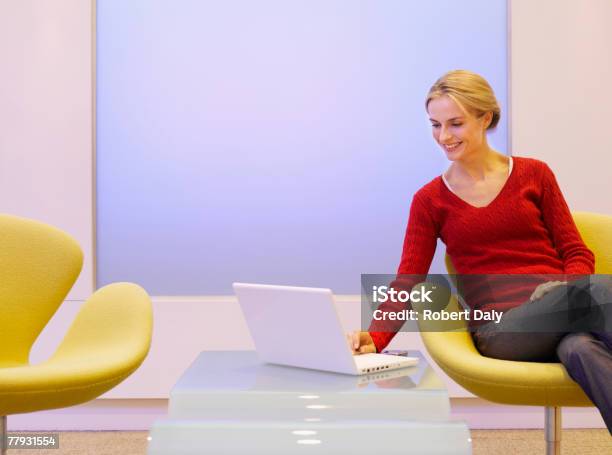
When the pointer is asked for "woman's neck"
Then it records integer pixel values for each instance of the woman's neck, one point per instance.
(478, 166)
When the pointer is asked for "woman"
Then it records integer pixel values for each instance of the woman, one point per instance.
(502, 215)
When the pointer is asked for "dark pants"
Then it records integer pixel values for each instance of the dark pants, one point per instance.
(570, 324)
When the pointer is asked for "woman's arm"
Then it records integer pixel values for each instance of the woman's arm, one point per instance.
(576, 257)
(420, 243)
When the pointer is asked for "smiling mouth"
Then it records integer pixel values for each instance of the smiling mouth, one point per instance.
(452, 147)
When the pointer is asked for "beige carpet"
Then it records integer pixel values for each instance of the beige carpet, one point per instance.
(519, 442)
(528, 442)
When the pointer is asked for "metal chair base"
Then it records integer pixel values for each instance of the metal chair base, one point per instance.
(552, 430)
(3, 440)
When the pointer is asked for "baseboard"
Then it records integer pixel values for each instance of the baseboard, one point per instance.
(97, 415)
(481, 414)
(134, 415)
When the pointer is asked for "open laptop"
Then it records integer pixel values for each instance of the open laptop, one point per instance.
(299, 326)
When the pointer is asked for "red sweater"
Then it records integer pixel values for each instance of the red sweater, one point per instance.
(526, 229)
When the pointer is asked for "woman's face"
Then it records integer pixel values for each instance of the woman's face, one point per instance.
(459, 133)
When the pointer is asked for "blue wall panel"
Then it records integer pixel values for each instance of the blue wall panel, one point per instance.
(272, 141)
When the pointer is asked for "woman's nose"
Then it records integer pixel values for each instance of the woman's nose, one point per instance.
(444, 134)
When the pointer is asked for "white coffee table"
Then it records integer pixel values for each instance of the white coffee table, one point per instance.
(228, 402)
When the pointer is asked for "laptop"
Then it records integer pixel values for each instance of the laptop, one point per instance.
(299, 326)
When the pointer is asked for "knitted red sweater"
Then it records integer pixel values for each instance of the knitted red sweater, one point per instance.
(526, 229)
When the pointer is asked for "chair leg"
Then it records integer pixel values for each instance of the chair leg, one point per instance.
(552, 430)
(3, 434)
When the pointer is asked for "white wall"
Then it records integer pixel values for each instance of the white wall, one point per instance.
(561, 69)
(46, 118)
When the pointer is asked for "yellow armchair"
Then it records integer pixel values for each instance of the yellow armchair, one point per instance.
(108, 340)
(521, 383)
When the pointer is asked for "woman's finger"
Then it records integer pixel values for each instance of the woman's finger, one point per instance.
(367, 349)
(356, 340)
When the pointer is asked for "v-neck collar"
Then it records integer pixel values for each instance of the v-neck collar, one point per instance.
(510, 169)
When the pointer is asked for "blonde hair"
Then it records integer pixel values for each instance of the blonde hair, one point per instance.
(470, 91)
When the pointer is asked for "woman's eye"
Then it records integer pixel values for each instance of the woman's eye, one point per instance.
(433, 125)
(457, 124)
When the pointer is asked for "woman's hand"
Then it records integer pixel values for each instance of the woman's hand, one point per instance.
(360, 342)
(544, 288)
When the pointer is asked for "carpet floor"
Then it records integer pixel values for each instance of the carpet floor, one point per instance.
(484, 442)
